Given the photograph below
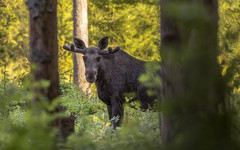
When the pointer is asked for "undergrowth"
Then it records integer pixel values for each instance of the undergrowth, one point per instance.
(23, 127)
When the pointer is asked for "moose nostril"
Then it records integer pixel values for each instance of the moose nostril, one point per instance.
(91, 75)
(91, 72)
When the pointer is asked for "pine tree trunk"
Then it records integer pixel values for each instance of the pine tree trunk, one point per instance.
(194, 89)
(43, 46)
(80, 19)
(44, 54)
(169, 37)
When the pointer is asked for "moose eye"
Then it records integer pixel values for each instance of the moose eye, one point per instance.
(84, 58)
(98, 59)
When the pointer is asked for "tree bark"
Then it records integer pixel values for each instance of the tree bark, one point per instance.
(80, 21)
(43, 46)
(169, 37)
(44, 54)
(194, 91)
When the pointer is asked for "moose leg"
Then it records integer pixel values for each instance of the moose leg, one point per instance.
(117, 113)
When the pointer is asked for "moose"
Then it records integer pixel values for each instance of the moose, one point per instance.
(114, 73)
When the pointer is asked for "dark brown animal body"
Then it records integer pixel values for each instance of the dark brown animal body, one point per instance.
(115, 73)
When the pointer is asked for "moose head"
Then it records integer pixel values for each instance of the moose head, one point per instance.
(91, 56)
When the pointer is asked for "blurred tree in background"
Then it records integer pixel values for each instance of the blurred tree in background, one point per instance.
(80, 23)
(194, 106)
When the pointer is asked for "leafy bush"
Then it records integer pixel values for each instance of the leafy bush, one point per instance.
(22, 127)
(93, 124)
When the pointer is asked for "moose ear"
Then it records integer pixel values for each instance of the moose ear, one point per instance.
(79, 43)
(103, 43)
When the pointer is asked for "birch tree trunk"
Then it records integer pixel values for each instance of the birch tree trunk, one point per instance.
(80, 21)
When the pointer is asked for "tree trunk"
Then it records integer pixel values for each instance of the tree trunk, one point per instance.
(80, 19)
(194, 90)
(169, 37)
(44, 54)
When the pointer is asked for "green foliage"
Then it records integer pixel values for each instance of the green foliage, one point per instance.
(23, 127)
(28, 127)
(11, 96)
(229, 44)
(235, 107)
(134, 134)
(33, 133)
(65, 35)
(229, 41)
(151, 79)
(132, 26)
(93, 125)
(13, 38)
(76, 102)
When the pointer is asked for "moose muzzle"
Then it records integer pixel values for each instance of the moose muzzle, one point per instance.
(91, 75)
